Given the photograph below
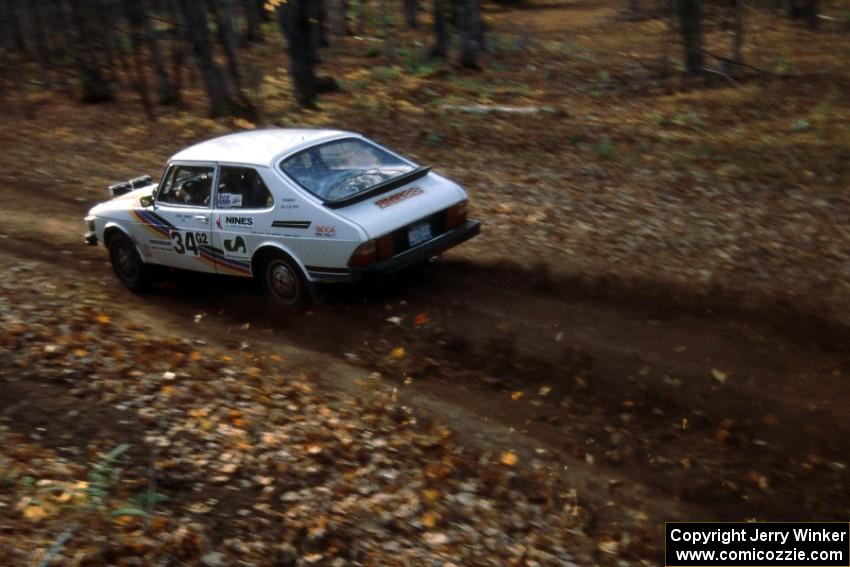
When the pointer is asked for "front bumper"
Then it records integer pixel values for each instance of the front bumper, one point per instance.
(91, 238)
(422, 252)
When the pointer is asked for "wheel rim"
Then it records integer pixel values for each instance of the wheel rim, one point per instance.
(126, 261)
(283, 282)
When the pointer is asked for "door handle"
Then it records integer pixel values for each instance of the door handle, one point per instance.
(203, 218)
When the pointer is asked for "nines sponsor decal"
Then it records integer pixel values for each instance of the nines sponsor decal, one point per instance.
(325, 230)
(238, 221)
(398, 197)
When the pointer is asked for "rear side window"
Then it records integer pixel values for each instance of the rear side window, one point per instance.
(242, 188)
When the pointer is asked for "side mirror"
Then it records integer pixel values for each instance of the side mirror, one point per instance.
(146, 201)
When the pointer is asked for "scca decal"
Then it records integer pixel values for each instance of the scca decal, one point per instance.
(398, 197)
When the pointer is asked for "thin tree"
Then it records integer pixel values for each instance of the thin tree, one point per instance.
(294, 19)
(441, 31)
(737, 9)
(222, 11)
(319, 18)
(251, 32)
(88, 45)
(135, 13)
(219, 91)
(166, 89)
(469, 20)
(411, 11)
(690, 22)
(341, 12)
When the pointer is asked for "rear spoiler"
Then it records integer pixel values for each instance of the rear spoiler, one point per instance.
(130, 185)
(382, 187)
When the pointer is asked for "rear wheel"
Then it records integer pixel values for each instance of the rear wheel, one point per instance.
(127, 264)
(284, 283)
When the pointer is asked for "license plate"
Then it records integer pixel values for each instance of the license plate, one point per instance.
(417, 234)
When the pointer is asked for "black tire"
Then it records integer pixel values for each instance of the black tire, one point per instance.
(284, 284)
(126, 263)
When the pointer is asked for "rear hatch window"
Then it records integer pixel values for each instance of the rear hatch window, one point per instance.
(340, 171)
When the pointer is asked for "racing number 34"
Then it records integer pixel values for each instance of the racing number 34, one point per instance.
(188, 242)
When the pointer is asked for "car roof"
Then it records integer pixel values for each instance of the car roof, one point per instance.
(255, 147)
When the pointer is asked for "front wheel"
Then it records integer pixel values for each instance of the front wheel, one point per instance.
(284, 284)
(127, 264)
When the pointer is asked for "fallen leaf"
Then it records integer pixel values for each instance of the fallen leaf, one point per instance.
(35, 513)
(103, 319)
(719, 375)
(517, 395)
(544, 390)
(398, 353)
(429, 519)
(422, 319)
(508, 458)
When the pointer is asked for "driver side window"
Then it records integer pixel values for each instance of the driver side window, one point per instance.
(187, 185)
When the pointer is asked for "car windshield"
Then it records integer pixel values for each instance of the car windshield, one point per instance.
(341, 169)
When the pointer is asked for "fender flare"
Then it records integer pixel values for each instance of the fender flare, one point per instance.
(112, 225)
(271, 244)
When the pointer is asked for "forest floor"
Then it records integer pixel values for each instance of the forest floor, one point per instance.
(649, 327)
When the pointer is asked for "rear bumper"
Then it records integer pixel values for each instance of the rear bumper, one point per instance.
(422, 252)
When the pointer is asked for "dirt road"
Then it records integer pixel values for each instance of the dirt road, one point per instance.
(651, 412)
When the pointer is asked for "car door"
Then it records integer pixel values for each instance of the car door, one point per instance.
(243, 210)
(182, 213)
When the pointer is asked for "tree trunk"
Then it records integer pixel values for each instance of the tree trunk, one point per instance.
(106, 23)
(166, 91)
(222, 11)
(812, 16)
(441, 31)
(469, 20)
(341, 11)
(690, 21)
(294, 18)
(177, 51)
(134, 11)
(194, 17)
(87, 47)
(389, 48)
(361, 17)
(804, 10)
(737, 30)
(411, 10)
(319, 19)
(251, 33)
(37, 32)
(14, 21)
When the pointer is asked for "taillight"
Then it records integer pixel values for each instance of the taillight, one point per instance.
(456, 214)
(365, 255)
(385, 247)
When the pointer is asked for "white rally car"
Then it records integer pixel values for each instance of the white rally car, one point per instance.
(290, 207)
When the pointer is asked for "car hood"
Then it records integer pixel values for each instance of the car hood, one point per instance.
(388, 211)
